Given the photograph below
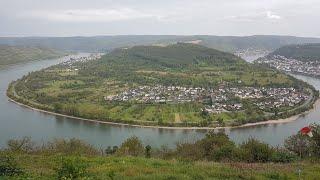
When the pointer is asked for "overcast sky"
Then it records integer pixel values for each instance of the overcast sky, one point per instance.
(175, 17)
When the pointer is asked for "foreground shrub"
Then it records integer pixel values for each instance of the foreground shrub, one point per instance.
(8, 165)
(255, 151)
(21, 145)
(214, 146)
(299, 144)
(282, 156)
(71, 168)
(131, 147)
(71, 146)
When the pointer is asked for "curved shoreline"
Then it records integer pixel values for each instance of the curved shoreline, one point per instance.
(279, 121)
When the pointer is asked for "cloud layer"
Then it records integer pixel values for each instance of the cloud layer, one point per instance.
(89, 15)
(103, 17)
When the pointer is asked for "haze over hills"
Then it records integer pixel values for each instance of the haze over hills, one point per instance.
(107, 43)
(18, 54)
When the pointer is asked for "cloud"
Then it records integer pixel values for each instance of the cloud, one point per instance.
(271, 15)
(89, 15)
(254, 17)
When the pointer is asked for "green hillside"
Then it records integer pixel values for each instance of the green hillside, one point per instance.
(15, 54)
(304, 52)
(177, 85)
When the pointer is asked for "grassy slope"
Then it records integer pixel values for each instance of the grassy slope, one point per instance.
(43, 167)
(305, 52)
(14, 54)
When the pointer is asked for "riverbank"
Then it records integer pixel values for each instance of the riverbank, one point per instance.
(279, 121)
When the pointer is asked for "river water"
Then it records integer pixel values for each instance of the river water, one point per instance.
(17, 121)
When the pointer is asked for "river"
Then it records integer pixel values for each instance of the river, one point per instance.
(17, 121)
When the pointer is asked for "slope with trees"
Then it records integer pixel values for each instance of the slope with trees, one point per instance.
(18, 54)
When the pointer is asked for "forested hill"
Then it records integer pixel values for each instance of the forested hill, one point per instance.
(176, 54)
(17, 54)
(305, 52)
(181, 64)
(108, 43)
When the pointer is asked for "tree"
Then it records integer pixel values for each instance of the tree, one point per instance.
(131, 147)
(148, 151)
(255, 151)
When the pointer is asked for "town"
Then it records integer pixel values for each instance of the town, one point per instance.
(73, 60)
(290, 65)
(215, 100)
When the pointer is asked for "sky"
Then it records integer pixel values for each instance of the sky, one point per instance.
(159, 17)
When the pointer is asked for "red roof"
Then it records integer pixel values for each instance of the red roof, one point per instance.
(305, 130)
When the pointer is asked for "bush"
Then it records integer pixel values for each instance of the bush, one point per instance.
(299, 144)
(131, 147)
(71, 168)
(110, 151)
(282, 156)
(188, 151)
(8, 165)
(216, 146)
(255, 151)
(71, 146)
(147, 151)
(21, 145)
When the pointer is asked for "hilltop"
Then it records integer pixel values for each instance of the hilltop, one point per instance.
(18, 54)
(175, 85)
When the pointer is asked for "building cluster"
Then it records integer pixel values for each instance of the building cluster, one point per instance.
(251, 52)
(216, 100)
(158, 94)
(71, 62)
(311, 68)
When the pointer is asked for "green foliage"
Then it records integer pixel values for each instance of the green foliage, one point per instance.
(21, 145)
(110, 151)
(255, 151)
(283, 156)
(131, 147)
(147, 151)
(71, 147)
(71, 168)
(304, 145)
(299, 144)
(64, 146)
(8, 165)
(216, 146)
